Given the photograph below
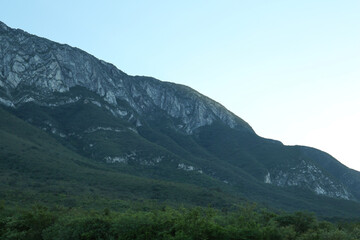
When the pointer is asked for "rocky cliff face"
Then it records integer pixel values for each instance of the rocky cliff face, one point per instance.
(41, 68)
(308, 175)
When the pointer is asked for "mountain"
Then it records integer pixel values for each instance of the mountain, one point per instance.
(87, 128)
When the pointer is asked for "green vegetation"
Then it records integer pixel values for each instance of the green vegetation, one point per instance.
(36, 167)
(245, 222)
(74, 166)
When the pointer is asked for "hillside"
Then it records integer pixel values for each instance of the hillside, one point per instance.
(74, 126)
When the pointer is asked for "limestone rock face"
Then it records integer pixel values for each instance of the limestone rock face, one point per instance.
(309, 176)
(42, 68)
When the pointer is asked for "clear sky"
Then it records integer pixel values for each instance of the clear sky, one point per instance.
(291, 69)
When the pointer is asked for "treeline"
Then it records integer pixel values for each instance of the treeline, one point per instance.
(245, 222)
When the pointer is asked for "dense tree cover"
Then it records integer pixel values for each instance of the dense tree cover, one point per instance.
(246, 222)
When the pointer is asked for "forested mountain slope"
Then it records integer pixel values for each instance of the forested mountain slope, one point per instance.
(101, 131)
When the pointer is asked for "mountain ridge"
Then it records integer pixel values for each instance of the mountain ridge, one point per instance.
(159, 130)
(69, 67)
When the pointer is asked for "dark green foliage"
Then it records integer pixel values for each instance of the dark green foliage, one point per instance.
(27, 225)
(301, 221)
(247, 223)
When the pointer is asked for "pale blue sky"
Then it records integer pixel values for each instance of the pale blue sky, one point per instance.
(289, 68)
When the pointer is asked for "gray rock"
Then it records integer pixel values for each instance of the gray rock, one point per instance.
(47, 67)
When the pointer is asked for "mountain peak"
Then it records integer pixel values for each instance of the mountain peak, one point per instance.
(44, 68)
(3, 26)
